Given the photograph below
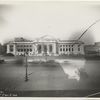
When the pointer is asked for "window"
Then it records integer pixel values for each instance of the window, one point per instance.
(45, 48)
(78, 49)
(69, 49)
(50, 48)
(39, 48)
(78, 45)
(66, 49)
(17, 45)
(21, 50)
(60, 45)
(60, 49)
(11, 48)
(27, 49)
(72, 49)
(18, 50)
(30, 50)
(24, 50)
(63, 49)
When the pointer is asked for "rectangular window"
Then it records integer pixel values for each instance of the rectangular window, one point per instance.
(78, 45)
(18, 50)
(63, 49)
(39, 48)
(78, 49)
(21, 50)
(24, 50)
(50, 48)
(45, 48)
(60, 49)
(17, 45)
(72, 49)
(27, 50)
(30, 50)
(11, 48)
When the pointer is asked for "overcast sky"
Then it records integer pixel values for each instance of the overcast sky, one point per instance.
(62, 20)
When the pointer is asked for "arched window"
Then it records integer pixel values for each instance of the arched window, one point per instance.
(60, 45)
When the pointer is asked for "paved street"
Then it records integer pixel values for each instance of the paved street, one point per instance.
(51, 76)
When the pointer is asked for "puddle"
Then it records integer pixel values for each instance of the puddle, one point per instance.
(72, 68)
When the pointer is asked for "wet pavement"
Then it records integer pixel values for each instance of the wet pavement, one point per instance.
(70, 75)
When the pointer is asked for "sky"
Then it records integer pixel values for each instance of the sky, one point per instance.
(62, 20)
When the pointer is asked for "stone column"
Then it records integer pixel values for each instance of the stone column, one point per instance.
(35, 49)
(48, 49)
(14, 49)
(54, 48)
(42, 48)
(68, 50)
(8, 48)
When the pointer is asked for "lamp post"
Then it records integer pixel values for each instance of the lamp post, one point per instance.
(26, 66)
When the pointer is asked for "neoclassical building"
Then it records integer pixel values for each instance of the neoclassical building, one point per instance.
(46, 45)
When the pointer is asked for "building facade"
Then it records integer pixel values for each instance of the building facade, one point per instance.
(45, 45)
(0, 49)
(93, 49)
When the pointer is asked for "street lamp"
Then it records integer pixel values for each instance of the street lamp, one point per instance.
(26, 66)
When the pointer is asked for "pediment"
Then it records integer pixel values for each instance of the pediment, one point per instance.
(46, 38)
